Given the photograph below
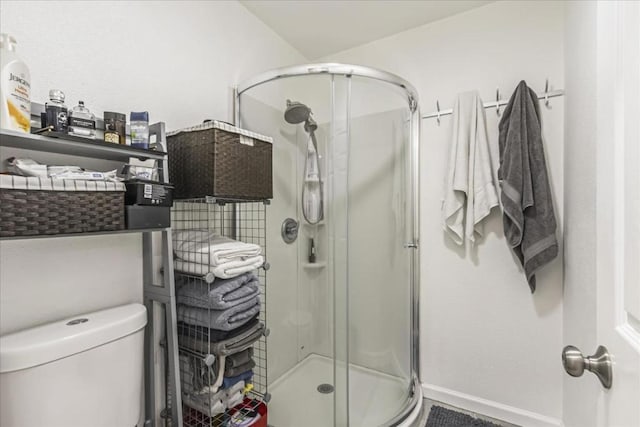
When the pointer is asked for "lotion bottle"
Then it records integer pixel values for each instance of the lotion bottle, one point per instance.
(15, 88)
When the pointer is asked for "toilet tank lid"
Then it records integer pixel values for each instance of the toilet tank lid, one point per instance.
(53, 341)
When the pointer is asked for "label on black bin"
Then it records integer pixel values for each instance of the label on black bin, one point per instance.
(148, 194)
(156, 193)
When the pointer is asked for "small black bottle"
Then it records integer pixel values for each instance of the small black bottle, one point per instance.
(312, 252)
(56, 112)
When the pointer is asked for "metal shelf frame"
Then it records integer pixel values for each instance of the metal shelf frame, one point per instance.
(90, 233)
(162, 295)
(76, 147)
(245, 221)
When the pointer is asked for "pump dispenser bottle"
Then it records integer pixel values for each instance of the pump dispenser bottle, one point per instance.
(15, 88)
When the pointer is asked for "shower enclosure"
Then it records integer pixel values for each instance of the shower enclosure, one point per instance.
(343, 291)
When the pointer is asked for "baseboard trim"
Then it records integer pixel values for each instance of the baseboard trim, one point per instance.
(489, 408)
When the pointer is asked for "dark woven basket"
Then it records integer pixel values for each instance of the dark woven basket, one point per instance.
(36, 212)
(213, 162)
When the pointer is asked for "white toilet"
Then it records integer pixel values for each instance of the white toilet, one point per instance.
(78, 372)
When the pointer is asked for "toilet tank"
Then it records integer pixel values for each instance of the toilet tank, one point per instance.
(82, 371)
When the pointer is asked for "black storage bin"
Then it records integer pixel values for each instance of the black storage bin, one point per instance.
(147, 217)
(148, 193)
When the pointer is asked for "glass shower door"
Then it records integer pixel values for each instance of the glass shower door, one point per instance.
(338, 223)
(340, 342)
(368, 181)
(376, 297)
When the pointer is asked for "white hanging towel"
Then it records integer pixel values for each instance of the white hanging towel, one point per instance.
(470, 189)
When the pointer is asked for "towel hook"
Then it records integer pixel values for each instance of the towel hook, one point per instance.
(438, 111)
(546, 94)
(498, 101)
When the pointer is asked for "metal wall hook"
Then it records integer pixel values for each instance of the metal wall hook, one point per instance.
(546, 94)
(498, 101)
(438, 111)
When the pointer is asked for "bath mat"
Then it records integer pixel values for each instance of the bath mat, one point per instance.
(442, 417)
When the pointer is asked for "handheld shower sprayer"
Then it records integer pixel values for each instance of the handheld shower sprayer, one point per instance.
(312, 191)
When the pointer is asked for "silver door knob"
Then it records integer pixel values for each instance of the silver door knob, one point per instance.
(600, 364)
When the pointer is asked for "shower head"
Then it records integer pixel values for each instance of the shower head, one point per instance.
(296, 112)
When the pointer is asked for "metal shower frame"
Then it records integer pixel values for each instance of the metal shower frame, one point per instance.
(348, 70)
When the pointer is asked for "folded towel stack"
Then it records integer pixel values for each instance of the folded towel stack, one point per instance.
(219, 318)
(202, 252)
(221, 294)
(204, 398)
(223, 320)
(211, 389)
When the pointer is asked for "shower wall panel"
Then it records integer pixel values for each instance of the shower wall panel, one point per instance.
(282, 293)
(315, 295)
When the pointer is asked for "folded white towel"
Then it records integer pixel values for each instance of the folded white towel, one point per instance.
(234, 395)
(205, 247)
(226, 270)
(470, 188)
(234, 400)
(210, 405)
(237, 387)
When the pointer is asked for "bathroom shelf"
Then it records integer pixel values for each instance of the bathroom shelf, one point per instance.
(207, 277)
(93, 233)
(314, 265)
(76, 147)
(82, 147)
(156, 296)
(240, 220)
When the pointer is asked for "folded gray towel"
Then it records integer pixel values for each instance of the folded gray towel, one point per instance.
(232, 345)
(220, 295)
(237, 370)
(223, 320)
(195, 374)
(529, 219)
(240, 358)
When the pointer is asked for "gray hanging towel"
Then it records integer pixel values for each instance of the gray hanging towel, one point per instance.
(528, 215)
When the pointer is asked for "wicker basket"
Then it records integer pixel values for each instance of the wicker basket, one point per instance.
(217, 159)
(64, 207)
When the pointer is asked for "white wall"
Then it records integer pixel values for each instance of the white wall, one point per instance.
(176, 59)
(486, 343)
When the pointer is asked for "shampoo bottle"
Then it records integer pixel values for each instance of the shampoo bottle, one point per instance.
(15, 88)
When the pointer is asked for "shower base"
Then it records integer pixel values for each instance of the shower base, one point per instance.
(296, 401)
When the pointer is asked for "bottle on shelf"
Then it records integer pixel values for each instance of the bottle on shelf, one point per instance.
(56, 112)
(115, 127)
(312, 252)
(139, 125)
(15, 88)
(82, 122)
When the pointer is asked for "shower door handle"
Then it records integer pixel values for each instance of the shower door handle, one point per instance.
(411, 245)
